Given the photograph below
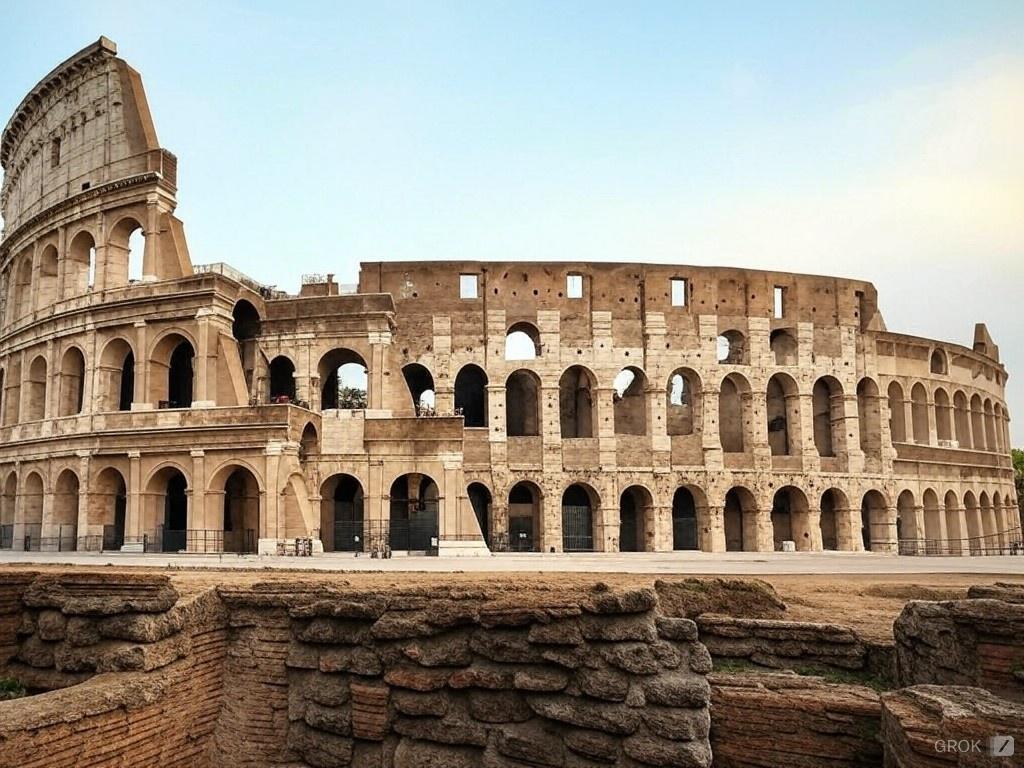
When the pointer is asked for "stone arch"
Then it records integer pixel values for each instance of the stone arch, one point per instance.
(522, 404)
(116, 376)
(522, 341)
(934, 522)
(919, 413)
(977, 424)
(125, 252)
(309, 441)
(687, 519)
(577, 402)
(344, 381)
(740, 520)
(875, 522)
(784, 346)
(21, 288)
(245, 328)
(64, 513)
(168, 501)
(71, 386)
(240, 514)
(282, 380)
(954, 534)
(480, 500)
(8, 498)
(975, 527)
(683, 402)
(636, 519)
(414, 503)
(906, 520)
(629, 401)
(897, 413)
(790, 518)
(12, 392)
(732, 348)
(80, 265)
(420, 383)
(342, 514)
(990, 427)
(834, 520)
(937, 364)
(108, 506)
(525, 517)
(734, 406)
(782, 411)
(580, 505)
(869, 417)
(471, 395)
(943, 416)
(35, 386)
(31, 502)
(989, 526)
(172, 370)
(49, 263)
(829, 415)
(961, 419)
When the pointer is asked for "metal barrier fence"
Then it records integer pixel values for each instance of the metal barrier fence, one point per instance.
(6, 536)
(205, 541)
(1009, 542)
(577, 529)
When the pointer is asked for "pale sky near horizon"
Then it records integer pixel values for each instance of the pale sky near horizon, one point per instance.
(883, 141)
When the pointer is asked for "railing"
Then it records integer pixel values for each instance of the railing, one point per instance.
(1009, 542)
(6, 536)
(577, 529)
(66, 540)
(205, 541)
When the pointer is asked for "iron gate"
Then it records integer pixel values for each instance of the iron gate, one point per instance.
(6, 536)
(413, 525)
(577, 529)
(349, 535)
(684, 532)
(520, 534)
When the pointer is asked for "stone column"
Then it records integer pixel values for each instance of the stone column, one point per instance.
(84, 495)
(151, 234)
(197, 513)
(711, 518)
(134, 524)
(205, 372)
(854, 463)
(758, 410)
(140, 398)
(814, 541)
(711, 441)
(661, 520)
(605, 431)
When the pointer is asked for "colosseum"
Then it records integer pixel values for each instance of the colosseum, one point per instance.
(458, 408)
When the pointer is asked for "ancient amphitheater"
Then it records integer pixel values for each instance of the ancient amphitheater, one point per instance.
(149, 403)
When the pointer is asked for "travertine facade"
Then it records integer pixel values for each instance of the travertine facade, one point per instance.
(658, 407)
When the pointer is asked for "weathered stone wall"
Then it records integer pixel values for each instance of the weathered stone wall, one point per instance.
(12, 585)
(975, 642)
(763, 720)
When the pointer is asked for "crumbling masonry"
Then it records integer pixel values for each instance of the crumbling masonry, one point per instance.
(150, 403)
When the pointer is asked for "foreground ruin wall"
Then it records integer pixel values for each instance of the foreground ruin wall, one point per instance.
(153, 404)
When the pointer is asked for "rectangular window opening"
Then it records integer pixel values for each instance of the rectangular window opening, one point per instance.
(55, 153)
(574, 286)
(680, 291)
(468, 285)
(780, 301)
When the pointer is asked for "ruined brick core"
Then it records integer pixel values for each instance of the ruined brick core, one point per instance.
(459, 407)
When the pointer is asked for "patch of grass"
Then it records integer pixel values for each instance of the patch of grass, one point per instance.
(848, 677)
(738, 667)
(11, 689)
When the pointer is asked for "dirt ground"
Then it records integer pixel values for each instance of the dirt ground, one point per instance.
(867, 603)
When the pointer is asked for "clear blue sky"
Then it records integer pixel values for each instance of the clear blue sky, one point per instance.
(875, 140)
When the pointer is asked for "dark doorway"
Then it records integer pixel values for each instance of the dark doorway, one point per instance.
(471, 396)
(577, 520)
(127, 394)
(282, 380)
(413, 519)
(179, 376)
(175, 513)
(348, 515)
(480, 498)
(684, 520)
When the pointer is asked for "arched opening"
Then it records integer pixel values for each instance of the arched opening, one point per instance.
(47, 294)
(471, 395)
(897, 413)
(834, 506)
(990, 427)
(874, 522)
(684, 520)
(740, 518)
(7, 506)
(309, 442)
(733, 413)
(961, 420)
(524, 517)
(173, 487)
(954, 533)
(977, 424)
(342, 527)
(117, 377)
(869, 418)
(933, 524)
(522, 404)
(989, 526)
(943, 420)
(35, 401)
(999, 422)
(245, 327)
(972, 519)
(32, 511)
(80, 265)
(784, 347)
(179, 376)
(108, 507)
(64, 515)
(732, 348)
(126, 247)
(414, 506)
(629, 399)
(282, 380)
(241, 520)
(938, 362)
(790, 519)
(683, 406)
(522, 342)
(480, 500)
(343, 380)
(906, 523)
(783, 415)
(636, 511)
(919, 413)
(21, 291)
(829, 415)
(578, 504)
(421, 388)
(12, 392)
(576, 402)
(71, 396)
